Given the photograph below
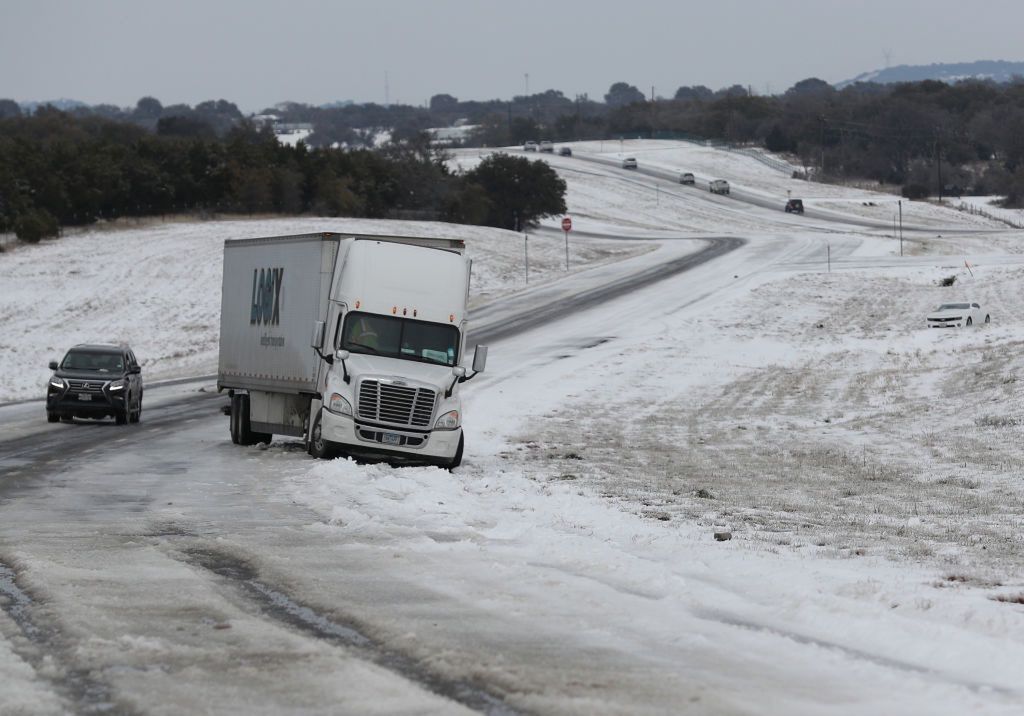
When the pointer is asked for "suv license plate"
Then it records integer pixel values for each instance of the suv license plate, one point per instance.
(391, 438)
(82, 396)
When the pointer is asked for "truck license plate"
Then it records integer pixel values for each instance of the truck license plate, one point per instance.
(391, 438)
(82, 396)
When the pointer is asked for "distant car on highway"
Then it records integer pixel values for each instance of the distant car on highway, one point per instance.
(95, 381)
(795, 206)
(530, 147)
(956, 315)
(547, 146)
(565, 151)
(687, 178)
(719, 186)
(629, 163)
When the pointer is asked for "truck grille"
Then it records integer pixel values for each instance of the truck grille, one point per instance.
(383, 402)
(86, 386)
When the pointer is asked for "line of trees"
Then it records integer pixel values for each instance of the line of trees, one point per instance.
(67, 168)
(928, 137)
(59, 169)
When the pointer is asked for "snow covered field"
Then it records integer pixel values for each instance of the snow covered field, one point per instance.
(987, 206)
(866, 468)
(158, 288)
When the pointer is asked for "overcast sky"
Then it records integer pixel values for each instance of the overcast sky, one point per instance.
(257, 53)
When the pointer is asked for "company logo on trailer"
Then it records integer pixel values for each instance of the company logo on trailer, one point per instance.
(266, 296)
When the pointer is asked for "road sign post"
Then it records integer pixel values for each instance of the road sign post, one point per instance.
(567, 227)
(526, 252)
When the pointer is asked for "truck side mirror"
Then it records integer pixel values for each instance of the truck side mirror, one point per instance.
(53, 365)
(479, 359)
(317, 341)
(342, 355)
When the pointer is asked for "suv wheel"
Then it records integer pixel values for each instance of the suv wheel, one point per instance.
(52, 417)
(121, 417)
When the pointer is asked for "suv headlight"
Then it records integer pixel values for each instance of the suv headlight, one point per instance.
(58, 383)
(448, 421)
(116, 385)
(338, 404)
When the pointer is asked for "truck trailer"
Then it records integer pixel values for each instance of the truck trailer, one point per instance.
(352, 342)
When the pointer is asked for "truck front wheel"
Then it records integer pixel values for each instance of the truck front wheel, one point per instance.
(318, 447)
(457, 460)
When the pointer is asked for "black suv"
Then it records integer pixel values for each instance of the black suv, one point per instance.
(795, 206)
(95, 381)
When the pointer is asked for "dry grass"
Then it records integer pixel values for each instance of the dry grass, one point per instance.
(886, 450)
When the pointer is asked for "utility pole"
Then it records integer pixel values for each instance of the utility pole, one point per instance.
(938, 164)
(900, 202)
(526, 84)
(821, 118)
(387, 90)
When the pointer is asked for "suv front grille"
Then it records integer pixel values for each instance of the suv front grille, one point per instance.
(86, 386)
(384, 402)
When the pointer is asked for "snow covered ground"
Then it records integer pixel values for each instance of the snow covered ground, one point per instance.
(640, 204)
(988, 206)
(867, 469)
(158, 288)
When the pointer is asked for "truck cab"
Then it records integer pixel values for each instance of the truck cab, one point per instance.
(398, 342)
(355, 343)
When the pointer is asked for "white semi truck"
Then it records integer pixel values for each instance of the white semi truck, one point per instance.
(352, 342)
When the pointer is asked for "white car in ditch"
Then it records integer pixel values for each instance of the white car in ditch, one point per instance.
(955, 315)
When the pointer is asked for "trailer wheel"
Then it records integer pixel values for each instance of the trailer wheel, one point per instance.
(233, 418)
(246, 435)
(318, 447)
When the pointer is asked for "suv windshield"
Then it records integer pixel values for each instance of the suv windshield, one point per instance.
(90, 360)
(397, 337)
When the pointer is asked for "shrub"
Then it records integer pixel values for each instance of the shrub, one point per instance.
(34, 225)
(915, 191)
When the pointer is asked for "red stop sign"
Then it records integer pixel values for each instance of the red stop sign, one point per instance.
(566, 224)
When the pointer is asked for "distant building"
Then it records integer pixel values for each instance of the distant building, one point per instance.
(291, 133)
(265, 120)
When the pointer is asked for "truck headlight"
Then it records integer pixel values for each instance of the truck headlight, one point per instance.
(116, 385)
(338, 404)
(448, 421)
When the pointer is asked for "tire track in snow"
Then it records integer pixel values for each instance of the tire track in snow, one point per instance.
(280, 606)
(80, 688)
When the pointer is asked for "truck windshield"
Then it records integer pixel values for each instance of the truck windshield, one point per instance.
(397, 337)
